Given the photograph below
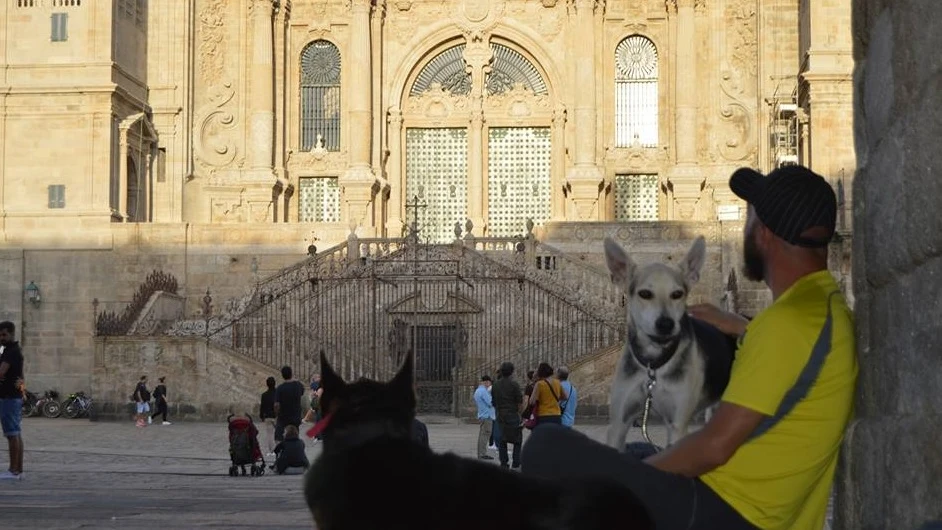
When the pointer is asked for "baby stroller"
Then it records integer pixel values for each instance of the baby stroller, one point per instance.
(243, 446)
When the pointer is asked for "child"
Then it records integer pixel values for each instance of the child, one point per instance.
(290, 452)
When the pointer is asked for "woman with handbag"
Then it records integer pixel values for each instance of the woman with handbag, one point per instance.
(547, 393)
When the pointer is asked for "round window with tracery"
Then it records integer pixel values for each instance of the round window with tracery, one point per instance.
(636, 59)
(320, 64)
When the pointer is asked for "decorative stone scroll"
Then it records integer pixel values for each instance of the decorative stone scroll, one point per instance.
(738, 82)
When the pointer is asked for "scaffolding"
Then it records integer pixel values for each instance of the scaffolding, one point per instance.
(784, 128)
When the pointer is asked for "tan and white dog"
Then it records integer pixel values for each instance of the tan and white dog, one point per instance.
(664, 343)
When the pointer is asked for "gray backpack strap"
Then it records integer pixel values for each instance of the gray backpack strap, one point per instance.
(807, 377)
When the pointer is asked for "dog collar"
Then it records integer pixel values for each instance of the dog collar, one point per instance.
(319, 427)
(667, 352)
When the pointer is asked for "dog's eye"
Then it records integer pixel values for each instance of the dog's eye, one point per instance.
(677, 295)
(645, 294)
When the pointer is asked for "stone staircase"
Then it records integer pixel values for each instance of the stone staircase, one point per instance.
(272, 324)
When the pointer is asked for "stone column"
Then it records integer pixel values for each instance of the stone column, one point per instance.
(357, 182)
(394, 173)
(585, 178)
(262, 100)
(476, 168)
(686, 176)
(478, 56)
(123, 173)
(557, 178)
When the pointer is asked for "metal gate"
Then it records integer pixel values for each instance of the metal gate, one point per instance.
(461, 314)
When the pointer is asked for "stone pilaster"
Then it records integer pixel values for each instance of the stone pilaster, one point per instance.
(358, 181)
(558, 212)
(686, 176)
(397, 184)
(585, 178)
(123, 173)
(262, 97)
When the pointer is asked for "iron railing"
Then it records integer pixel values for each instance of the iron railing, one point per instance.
(457, 310)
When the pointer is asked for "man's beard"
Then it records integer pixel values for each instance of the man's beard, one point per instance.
(753, 261)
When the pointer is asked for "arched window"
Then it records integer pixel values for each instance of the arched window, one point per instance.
(636, 108)
(510, 67)
(320, 96)
(447, 70)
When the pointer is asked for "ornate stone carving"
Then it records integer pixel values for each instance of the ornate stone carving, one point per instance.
(518, 102)
(317, 159)
(212, 40)
(478, 22)
(476, 10)
(738, 82)
(436, 102)
(404, 25)
(636, 157)
(261, 8)
(213, 143)
(700, 6)
(320, 21)
(550, 24)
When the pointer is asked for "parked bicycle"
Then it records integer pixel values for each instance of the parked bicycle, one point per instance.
(48, 405)
(76, 405)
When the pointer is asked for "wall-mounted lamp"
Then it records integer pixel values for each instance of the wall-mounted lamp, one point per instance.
(32, 293)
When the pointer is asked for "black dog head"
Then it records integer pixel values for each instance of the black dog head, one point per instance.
(366, 409)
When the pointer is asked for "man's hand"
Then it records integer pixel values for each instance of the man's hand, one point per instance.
(728, 323)
(713, 445)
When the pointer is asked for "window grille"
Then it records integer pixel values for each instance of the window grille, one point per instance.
(446, 69)
(60, 27)
(509, 67)
(57, 196)
(319, 200)
(437, 173)
(636, 93)
(518, 179)
(320, 97)
(636, 198)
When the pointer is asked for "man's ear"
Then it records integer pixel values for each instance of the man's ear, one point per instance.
(331, 382)
(619, 263)
(694, 261)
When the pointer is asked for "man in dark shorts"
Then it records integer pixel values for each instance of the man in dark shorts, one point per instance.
(11, 399)
(288, 398)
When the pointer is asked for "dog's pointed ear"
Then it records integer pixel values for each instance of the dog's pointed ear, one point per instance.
(619, 263)
(329, 378)
(694, 261)
(403, 382)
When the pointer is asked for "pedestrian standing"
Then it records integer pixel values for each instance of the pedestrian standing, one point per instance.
(486, 415)
(288, 398)
(11, 399)
(568, 405)
(266, 412)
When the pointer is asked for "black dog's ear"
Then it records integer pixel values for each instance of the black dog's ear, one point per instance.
(329, 379)
(403, 380)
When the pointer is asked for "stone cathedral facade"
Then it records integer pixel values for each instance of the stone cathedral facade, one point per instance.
(326, 115)
(220, 140)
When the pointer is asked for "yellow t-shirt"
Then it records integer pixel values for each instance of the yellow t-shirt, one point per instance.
(781, 480)
(546, 404)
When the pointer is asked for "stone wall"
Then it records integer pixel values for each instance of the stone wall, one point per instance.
(204, 382)
(891, 472)
(57, 334)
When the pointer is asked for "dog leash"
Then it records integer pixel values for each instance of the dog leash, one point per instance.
(652, 382)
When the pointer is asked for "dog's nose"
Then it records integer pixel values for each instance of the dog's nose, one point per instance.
(664, 325)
